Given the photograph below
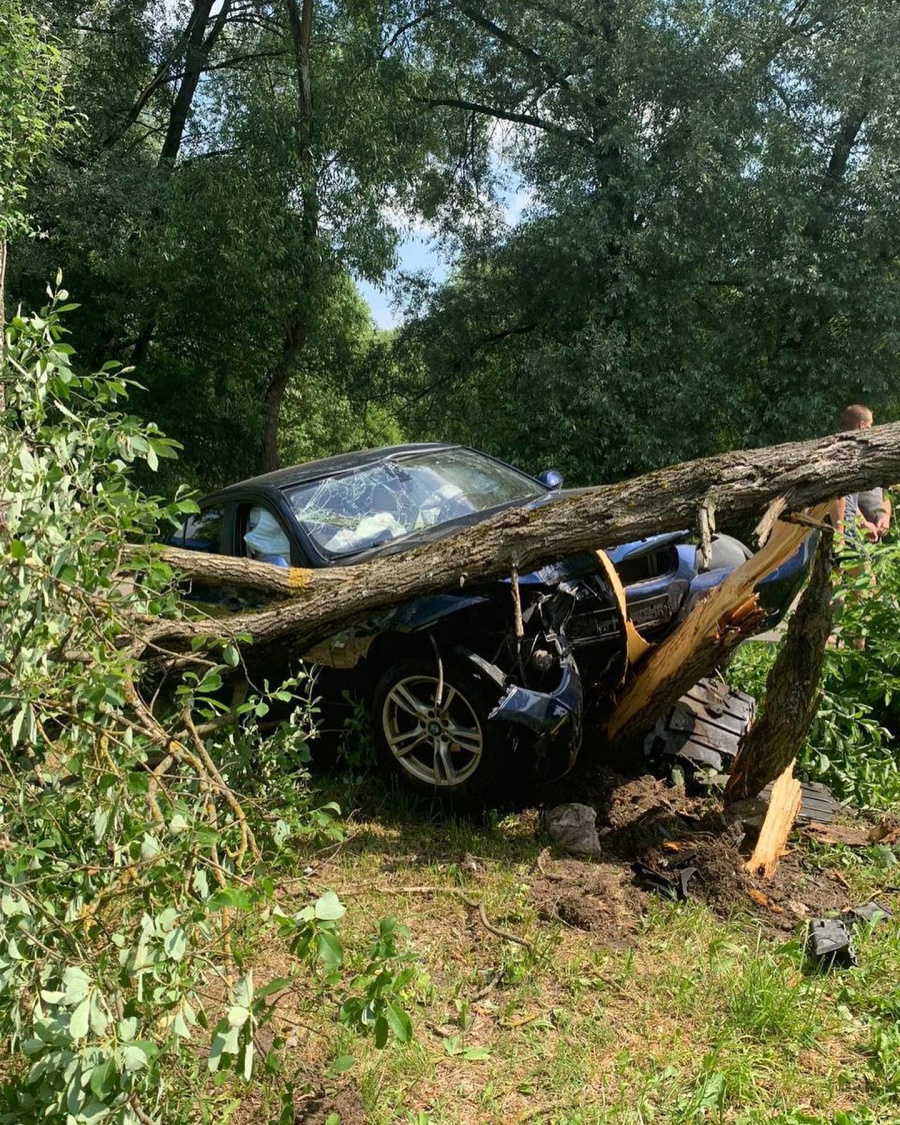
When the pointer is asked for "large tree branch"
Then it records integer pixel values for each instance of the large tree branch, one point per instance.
(511, 115)
(510, 40)
(200, 44)
(199, 14)
(741, 484)
(838, 162)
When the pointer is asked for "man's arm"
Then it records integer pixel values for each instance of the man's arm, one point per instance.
(883, 523)
(836, 514)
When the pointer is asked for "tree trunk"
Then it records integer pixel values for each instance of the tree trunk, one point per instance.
(199, 46)
(300, 22)
(792, 688)
(291, 349)
(784, 805)
(327, 599)
(197, 43)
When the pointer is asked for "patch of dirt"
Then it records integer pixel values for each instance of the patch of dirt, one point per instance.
(345, 1104)
(600, 897)
(796, 892)
(648, 820)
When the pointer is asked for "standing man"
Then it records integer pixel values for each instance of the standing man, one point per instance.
(866, 513)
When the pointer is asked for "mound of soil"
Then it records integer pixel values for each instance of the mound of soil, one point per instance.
(646, 820)
(600, 897)
(346, 1105)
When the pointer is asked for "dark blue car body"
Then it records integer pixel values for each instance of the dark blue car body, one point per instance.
(573, 634)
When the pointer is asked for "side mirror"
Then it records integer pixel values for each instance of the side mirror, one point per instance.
(552, 478)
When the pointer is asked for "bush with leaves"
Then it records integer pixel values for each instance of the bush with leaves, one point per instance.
(852, 744)
(140, 813)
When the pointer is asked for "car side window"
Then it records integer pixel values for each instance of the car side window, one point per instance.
(261, 535)
(201, 532)
(266, 540)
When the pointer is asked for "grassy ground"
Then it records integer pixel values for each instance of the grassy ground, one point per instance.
(668, 1014)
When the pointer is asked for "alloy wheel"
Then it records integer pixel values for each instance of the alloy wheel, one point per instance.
(435, 739)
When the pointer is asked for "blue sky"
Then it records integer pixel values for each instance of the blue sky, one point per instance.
(420, 251)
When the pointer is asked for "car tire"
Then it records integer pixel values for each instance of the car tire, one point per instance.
(451, 749)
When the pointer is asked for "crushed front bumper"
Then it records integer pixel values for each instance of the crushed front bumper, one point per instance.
(553, 717)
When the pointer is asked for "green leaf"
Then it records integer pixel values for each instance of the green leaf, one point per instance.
(331, 952)
(80, 1020)
(231, 656)
(76, 984)
(329, 907)
(133, 1057)
(399, 1023)
(476, 1054)
(103, 1079)
(237, 1015)
(276, 985)
(175, 944)
(99, 1019)
(342, 1063)
(230, 897)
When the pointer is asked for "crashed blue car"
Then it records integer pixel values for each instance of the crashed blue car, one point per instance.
(463, 694)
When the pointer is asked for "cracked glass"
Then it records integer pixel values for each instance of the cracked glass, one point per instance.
(399, 496)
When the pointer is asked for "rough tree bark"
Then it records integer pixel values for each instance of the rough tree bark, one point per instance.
(296, 329)
(319, 602)
(792, 688)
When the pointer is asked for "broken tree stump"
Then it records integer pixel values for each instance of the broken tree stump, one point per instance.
(792, 687)
(784, 804)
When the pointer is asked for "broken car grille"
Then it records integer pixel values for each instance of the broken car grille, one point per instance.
(603, 624)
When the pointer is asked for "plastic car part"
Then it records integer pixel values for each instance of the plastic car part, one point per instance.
(704, 730)
(540, 711)
(705, 726)
(674, 887)
(544, 712)
(868, 912)
(819, 803)
(829, 943)
(485, 667)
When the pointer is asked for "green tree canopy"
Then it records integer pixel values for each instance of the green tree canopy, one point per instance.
(709, 257)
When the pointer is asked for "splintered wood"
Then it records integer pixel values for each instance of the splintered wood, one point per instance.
(711, 630)
(784, 805)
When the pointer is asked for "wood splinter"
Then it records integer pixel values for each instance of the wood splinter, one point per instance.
(707, 526)
(784, 805)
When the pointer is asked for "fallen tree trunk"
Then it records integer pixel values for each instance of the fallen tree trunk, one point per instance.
(792, 688)
(735, 485)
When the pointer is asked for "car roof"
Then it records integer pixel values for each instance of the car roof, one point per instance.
(327, 466)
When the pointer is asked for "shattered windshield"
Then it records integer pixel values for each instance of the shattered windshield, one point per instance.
(348, 513)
